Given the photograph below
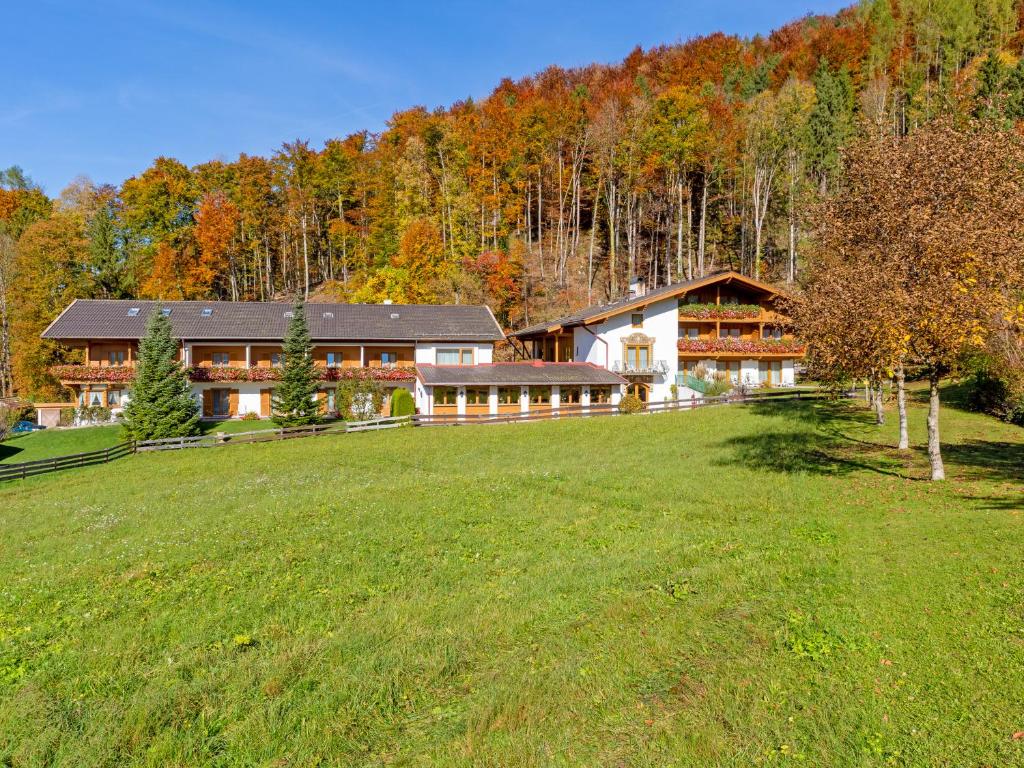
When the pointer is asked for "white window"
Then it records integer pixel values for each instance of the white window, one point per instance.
(333, 360)
(455, 357)
(388, 359)
(221, 359)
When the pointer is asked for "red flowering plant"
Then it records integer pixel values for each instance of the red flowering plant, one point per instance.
(218, 374)
(91, 373)
(397, 373)
(720, 311)
(753, 346)
(323, 374)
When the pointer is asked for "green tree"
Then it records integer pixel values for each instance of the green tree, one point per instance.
(988, 93)
(106, 258)
(830, 123)
(161, 403)
(1015, 92)
(294, 397)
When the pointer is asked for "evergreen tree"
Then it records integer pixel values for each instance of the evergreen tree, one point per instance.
(161, 403)
(1015, 92)
(104, 255)
(830, 124)
(294, 403)
(987, 96)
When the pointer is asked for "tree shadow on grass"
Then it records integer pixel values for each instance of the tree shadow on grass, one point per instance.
(826, 443)
(823, 453)
(8, 451)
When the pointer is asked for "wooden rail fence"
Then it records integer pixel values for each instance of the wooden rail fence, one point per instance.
(87, 459)
(90, 458)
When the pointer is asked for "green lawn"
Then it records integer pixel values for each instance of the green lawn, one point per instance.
(48, 443)
(756, 585)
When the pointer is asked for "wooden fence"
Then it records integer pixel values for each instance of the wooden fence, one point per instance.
(605, 409)
(71, 461)
(42, 466)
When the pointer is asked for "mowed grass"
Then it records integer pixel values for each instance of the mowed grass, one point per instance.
(50, 443)
(756, 585)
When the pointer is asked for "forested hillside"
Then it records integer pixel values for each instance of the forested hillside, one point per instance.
(550, 193)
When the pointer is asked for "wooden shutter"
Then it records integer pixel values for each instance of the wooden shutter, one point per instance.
(232, 402)
(207, 402)
(265, 402)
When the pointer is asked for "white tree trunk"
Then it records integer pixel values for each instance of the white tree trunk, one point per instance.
(934, 447)
(901, 406)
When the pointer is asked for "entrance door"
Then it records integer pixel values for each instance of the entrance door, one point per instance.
(640, 390)
(222, 402)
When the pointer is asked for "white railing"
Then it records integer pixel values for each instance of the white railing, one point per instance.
(639, 369)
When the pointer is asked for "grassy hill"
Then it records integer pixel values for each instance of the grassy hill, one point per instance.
(753, 585)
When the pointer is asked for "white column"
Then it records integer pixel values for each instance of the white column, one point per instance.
(492, 400)
(556, 396)
(585, 397)
(524, 399)
(616, 394)
(460, 401)
(248, 355)
(362, 356)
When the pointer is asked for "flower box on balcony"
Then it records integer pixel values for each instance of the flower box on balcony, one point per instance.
(324, 374)
(93, 373)
(720, 311)
(746, 346)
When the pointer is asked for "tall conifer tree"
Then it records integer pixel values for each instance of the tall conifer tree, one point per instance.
(161, 403)
(294, 398)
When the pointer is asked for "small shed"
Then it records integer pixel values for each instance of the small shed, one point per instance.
(48, 414)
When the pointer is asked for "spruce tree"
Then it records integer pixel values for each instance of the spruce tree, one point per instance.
(294, 403)
(161, 403)
(830, 123)
(988, 95)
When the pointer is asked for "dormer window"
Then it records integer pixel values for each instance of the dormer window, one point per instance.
(166, 311)
(207, 312)
(637, 319)
(133, 312)
(394, 315)
(328, 315)
(289, 314)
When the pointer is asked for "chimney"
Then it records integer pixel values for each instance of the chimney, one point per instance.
(637, 287)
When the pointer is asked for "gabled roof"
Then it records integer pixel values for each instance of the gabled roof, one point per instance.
(513, 374)
(600, 312)
(267, 321)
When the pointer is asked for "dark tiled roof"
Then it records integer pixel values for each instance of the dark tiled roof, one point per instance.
(516, 373)
(666, 291)
(110, 319)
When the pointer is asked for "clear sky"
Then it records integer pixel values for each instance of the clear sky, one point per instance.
(101, 88)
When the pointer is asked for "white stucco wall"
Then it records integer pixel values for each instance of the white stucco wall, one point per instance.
(661, 322)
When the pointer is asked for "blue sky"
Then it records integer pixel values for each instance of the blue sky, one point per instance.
(102, 88)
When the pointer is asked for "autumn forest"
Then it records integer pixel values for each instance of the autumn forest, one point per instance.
(550, 193)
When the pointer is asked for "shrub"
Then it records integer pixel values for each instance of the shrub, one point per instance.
(631, 404)
(402, 403)
(359, 399)
(67, 417)
(997, 392)
(250, 416)
(5, 422)
(719, 384)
